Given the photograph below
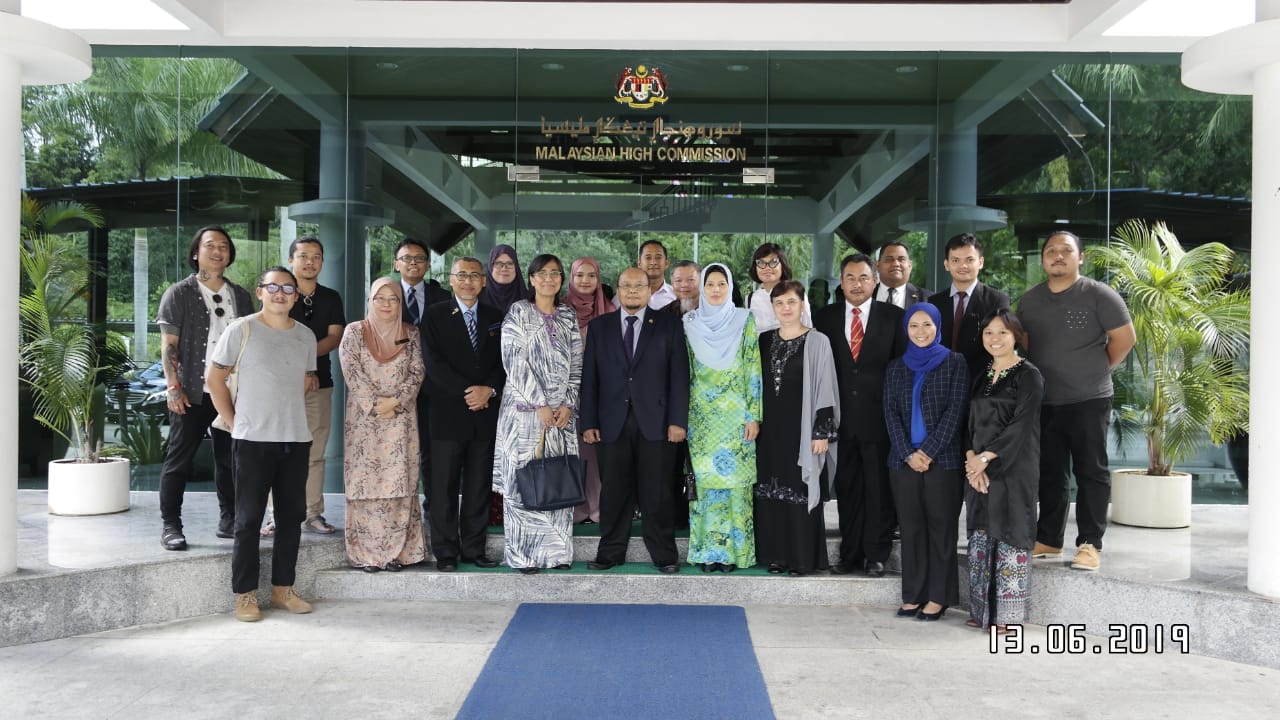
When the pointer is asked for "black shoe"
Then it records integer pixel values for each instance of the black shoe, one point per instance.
(797, 573)
(931, 617)
(904, 612)
(393, 566)
(564, 566)
(601, 565)
(727, 568)
(841, 569)
(371, 569)
(171, 538)
(481, 562)
(226, 526)
(776, 569)
(669, 569)
(875, 569)
(529, 571)
(708, 567)
(447, 565)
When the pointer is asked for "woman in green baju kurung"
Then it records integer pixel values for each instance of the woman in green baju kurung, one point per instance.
(724, 419)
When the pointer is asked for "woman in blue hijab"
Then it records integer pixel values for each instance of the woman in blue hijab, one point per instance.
(926, 399)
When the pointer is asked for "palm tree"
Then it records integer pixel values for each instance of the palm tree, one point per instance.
(1192, 326)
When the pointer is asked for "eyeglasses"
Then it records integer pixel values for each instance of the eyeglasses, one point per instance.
(218, 309)
(548, 275)
(632, 288)
(467, 276)
(860, 279)
(504, 265)
(412, 259)
(274, 288)
(773, 263)
(385, 299)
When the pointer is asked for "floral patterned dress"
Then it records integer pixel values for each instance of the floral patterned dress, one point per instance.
(380, 467)
(721, 529)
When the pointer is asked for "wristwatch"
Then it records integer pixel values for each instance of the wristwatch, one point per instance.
(984, 459)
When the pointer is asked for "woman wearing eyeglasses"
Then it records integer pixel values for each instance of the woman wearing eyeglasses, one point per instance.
(542, 354)
(382, 364)
(193, 313)
(505, 284)
(769, 267)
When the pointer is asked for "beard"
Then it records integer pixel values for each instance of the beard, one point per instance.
(688, 305)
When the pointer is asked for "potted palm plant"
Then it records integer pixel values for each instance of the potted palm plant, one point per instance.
(63, 364)
(1186, 387)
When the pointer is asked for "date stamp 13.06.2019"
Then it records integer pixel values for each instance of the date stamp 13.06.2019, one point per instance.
(1070, 639)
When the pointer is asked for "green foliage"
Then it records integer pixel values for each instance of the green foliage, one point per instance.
(1192, 327)
(142, 440)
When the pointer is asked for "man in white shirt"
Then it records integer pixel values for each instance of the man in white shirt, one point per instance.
(894, 270)
(652, 259)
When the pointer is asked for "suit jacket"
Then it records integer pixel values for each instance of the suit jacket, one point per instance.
(912, 293)
(434, 294)
(452, 366)
(655, 386)
(862, 382)
(982, 300)
(944, 407)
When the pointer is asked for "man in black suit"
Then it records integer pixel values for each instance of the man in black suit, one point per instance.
(635, 404)
(460, 342)
(894, 270)
(412, 262)
(865, 335)
(967, 301)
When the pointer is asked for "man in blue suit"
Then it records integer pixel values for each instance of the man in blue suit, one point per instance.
(635, 404)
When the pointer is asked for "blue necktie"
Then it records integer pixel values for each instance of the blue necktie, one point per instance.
(471, 328)
(629, 337)
(412, 304)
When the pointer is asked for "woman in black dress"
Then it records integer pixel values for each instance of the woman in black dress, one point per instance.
(795, 452)
(1002, 465)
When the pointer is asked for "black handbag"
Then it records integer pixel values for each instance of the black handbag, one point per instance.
(690, 482)
(551, 483)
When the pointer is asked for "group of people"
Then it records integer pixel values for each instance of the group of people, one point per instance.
(897, 403)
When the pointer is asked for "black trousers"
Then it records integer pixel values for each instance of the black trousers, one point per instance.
(635, 469)
(424, 453)
(185, 434)
(929, 517)
(281, 469)
(466, 467)
(1074, 437)
(864, 502)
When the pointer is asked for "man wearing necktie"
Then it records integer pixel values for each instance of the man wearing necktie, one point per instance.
(894, 270)
(635, 405)
(865, 335)
(412, 262)
(966, 302)
(461, 344)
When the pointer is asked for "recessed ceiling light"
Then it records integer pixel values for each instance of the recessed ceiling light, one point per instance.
(737, 68)
(905, 69)
(552, 66)
(387, 66)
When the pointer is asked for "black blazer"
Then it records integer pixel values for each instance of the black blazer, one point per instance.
(655, 386)
(944, 405)
(862, 383)
(452, 366)
(982, 300)
(434, 294)
(912, 293)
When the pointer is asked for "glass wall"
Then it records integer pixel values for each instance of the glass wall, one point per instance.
(593, 152)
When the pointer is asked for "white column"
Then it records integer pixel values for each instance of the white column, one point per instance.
(1246, 61)
(30, 53)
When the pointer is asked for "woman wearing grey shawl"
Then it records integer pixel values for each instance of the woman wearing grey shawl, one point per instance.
(796, 450)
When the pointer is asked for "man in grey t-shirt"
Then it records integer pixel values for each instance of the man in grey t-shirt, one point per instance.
(270, 438)
(1078, 330)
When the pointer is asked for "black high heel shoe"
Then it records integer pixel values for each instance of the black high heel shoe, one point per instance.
(931, 617)
(909, 612)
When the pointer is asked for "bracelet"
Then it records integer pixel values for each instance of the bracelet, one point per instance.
(175, 386)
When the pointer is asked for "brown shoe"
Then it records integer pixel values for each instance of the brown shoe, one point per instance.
(283, 596)
(247, 607)
(1042, 551)
(1086, 558)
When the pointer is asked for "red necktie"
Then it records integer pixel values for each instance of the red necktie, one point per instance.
(855, 334)
(955, 325)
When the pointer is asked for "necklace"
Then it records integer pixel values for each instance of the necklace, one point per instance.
(994, 376)
(306, 299)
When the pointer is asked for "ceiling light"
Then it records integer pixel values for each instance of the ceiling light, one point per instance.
(387, 66)
(552, 66)
(737, 68)
(906, 69)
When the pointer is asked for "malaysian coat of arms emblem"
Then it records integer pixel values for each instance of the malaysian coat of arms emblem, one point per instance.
(642, 88)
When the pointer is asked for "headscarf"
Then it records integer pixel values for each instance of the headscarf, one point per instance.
(921, 360)
(384, 338)
(499, 295)
(588, 307)
(715, 331)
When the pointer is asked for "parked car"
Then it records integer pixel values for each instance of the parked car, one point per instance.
(141, 390)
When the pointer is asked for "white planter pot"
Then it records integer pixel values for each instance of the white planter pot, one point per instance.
(1154, 501)
(89, 488)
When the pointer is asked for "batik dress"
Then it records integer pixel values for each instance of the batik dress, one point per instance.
(721, 529)
(542, 355)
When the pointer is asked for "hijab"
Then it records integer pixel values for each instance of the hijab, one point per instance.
(923, 359)
(587, 307)
(715, 331)
(499, 295)
(385, 339)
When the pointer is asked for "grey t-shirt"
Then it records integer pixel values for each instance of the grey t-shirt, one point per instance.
(270, 402)
(1069, 338)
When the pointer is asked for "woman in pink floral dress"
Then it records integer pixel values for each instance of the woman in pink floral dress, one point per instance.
(382, 364)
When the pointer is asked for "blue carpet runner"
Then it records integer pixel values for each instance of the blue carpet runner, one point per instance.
(611, 662)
